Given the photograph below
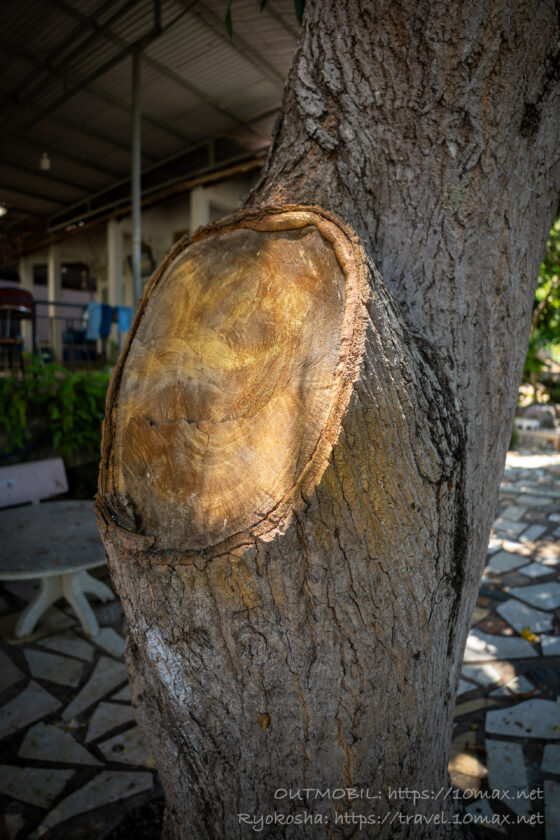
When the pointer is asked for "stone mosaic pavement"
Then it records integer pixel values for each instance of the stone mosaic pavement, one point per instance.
(72, 762)
(506, 747)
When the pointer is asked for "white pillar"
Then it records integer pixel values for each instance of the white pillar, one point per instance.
(115, 262)
(56, 313)
(200, 208)
(25, 271)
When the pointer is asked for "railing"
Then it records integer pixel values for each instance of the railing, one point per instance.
(66, 336)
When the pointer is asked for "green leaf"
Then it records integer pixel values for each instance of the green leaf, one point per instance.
(300, 8)
(229, 22)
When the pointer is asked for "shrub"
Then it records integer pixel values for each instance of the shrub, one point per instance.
(49, 404)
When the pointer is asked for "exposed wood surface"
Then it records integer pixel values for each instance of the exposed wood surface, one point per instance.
(230, 395)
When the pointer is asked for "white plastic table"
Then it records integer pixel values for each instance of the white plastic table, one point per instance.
(56, 542)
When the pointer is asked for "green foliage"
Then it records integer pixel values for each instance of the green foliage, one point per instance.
(546, 310)
(49, 399)
(229, 22)
(300, 8)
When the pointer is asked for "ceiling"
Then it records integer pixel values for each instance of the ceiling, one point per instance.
(207, 100)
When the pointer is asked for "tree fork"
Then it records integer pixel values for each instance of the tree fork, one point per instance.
(281, 499)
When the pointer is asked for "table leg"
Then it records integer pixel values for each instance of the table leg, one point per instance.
(50, 590)
(96, 587)
(72, 589)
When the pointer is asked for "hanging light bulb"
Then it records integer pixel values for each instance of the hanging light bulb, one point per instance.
(45, 162)
(3, 210)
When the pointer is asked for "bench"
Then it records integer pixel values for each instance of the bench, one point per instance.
(56, 542)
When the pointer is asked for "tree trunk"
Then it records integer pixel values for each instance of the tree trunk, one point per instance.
(301, 455)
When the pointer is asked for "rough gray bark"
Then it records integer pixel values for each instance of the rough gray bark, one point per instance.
(328, 656)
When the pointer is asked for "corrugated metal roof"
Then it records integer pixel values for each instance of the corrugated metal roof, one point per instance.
(66, 87)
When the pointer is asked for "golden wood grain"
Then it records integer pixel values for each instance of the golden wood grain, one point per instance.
(239, 355)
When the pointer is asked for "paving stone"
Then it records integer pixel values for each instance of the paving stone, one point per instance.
(473, 706)
(545, 596)
(507, 771)
(516, 547)
(53, 621)
(538, 516)
(543, 489)
(465, 686)
(110, 613)
(520, 616)
(479, 614)
(14, 823)
(533, 533)
(480, 811)
(550, 645)
(10, 673)
(465, 769)
(110, 641)
(482, 674)
(45, 742)
(33, 703)
(24, 589)
(514, 512)
(32, 785)
(493, 625)
(518, 685)
(69, 644)
(49, 666)
(536, 570)
(535, 501)
(531, 719)
(107, 675)
(124, 694)
(492, 594)
(505, 561)
(494, 544)
(508, 527)
(554, 517)
(128, 748)
(553, 561)
(108, 716)
(551, 809)
(482, 647)
(511, 579)
(108, 786)
(542, 675)
(551, 759)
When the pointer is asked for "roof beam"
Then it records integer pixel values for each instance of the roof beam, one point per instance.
(40, 173)
(57, 152)
(163, 125)
(214, 23)
(71, 40)
(89, 22)
(126, 49)
(74, 125)
(150, 201)
(283, 23)
(29, 194)
(165, 162)
(96, 90)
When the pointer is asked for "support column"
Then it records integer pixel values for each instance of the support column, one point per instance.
(136, 180)
(25, 271)
(200, 208)
(56, 313)
(115, 262)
